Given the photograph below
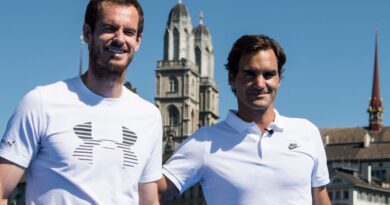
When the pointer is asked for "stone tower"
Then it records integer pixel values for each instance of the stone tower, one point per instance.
(186, 94)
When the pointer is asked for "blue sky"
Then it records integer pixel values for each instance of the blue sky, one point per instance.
(329, 46)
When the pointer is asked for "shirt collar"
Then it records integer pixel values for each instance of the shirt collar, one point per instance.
(241, 126)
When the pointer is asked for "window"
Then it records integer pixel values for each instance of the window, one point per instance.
(364, 196)
(338, 195)
(172, 84)
(369, 197)
(198, 58)
(176, 44)
(173, 116)
(346, 195)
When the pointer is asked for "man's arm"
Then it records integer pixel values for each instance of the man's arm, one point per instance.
(147, 193)
(320, 196)
(10, 175)
(166, 189)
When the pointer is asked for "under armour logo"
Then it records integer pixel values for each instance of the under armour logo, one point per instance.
(84, 151)
(293, 145)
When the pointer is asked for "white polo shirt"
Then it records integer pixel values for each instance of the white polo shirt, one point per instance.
(238, 164)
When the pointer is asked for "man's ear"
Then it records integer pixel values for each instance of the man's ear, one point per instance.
(139, 39)
(87, 33)
(231, 80)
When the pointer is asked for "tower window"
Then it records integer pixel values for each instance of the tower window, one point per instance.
(198, 58)
(173, 116)
(176, 42)
(172, 84)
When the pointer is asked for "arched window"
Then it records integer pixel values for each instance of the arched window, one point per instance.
(172, 84)
(173, 115)
(176, 42)
(198, 58)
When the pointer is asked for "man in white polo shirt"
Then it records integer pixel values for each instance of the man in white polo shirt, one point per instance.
(255, 156)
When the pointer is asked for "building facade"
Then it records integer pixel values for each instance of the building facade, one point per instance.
(186, 92)
(359, 158)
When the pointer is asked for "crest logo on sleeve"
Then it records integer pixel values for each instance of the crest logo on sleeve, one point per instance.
(7, 142)
(85, 151)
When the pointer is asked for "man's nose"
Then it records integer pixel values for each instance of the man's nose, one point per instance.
(260, 81)
(119, 37)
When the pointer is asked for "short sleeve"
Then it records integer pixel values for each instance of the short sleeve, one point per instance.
(186, 165)
(20, 142)
(320, 175)
(152, 170)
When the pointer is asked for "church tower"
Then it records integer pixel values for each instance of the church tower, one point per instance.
(186, 93)
(375, 109)
(204, 57)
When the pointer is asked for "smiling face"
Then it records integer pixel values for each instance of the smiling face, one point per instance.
(114, 41)
(256, 82)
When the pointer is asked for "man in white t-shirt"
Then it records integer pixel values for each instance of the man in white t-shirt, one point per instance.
(255, 156)
(88, 140)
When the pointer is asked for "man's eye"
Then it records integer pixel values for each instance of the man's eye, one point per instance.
(109, 29)
(249, 74)
(269, 75)
(130, 32)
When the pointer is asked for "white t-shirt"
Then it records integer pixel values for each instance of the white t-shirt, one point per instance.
(80, 148)
(237, 164)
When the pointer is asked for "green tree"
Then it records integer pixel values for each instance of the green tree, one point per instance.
(128, 85)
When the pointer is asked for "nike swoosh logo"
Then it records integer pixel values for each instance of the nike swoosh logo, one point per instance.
(293, 146)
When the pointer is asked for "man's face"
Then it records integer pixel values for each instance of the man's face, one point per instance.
(114, 42)
(257, 81)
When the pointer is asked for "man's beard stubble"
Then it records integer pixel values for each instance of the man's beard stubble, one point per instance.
(104, 70)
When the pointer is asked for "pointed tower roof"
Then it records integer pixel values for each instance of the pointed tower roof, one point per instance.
(376, 98)
(201, 28)
(179, 10)
(375, 109)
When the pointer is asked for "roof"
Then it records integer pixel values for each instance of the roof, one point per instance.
(356, 181)
(356, 151)
(348, 143)
(179, 10)
(351, 135)
(201, 29)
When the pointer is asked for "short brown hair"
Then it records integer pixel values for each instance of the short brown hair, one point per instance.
(250, 44)
(95, 6)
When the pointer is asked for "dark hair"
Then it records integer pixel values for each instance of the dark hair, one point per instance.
(94, 8)
(252, 43)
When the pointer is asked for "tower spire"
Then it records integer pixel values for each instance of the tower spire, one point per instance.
(81, 54)
(201, 17)
(375, 109)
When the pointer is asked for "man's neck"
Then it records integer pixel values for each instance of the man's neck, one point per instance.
(108, 88)
(262, 118)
